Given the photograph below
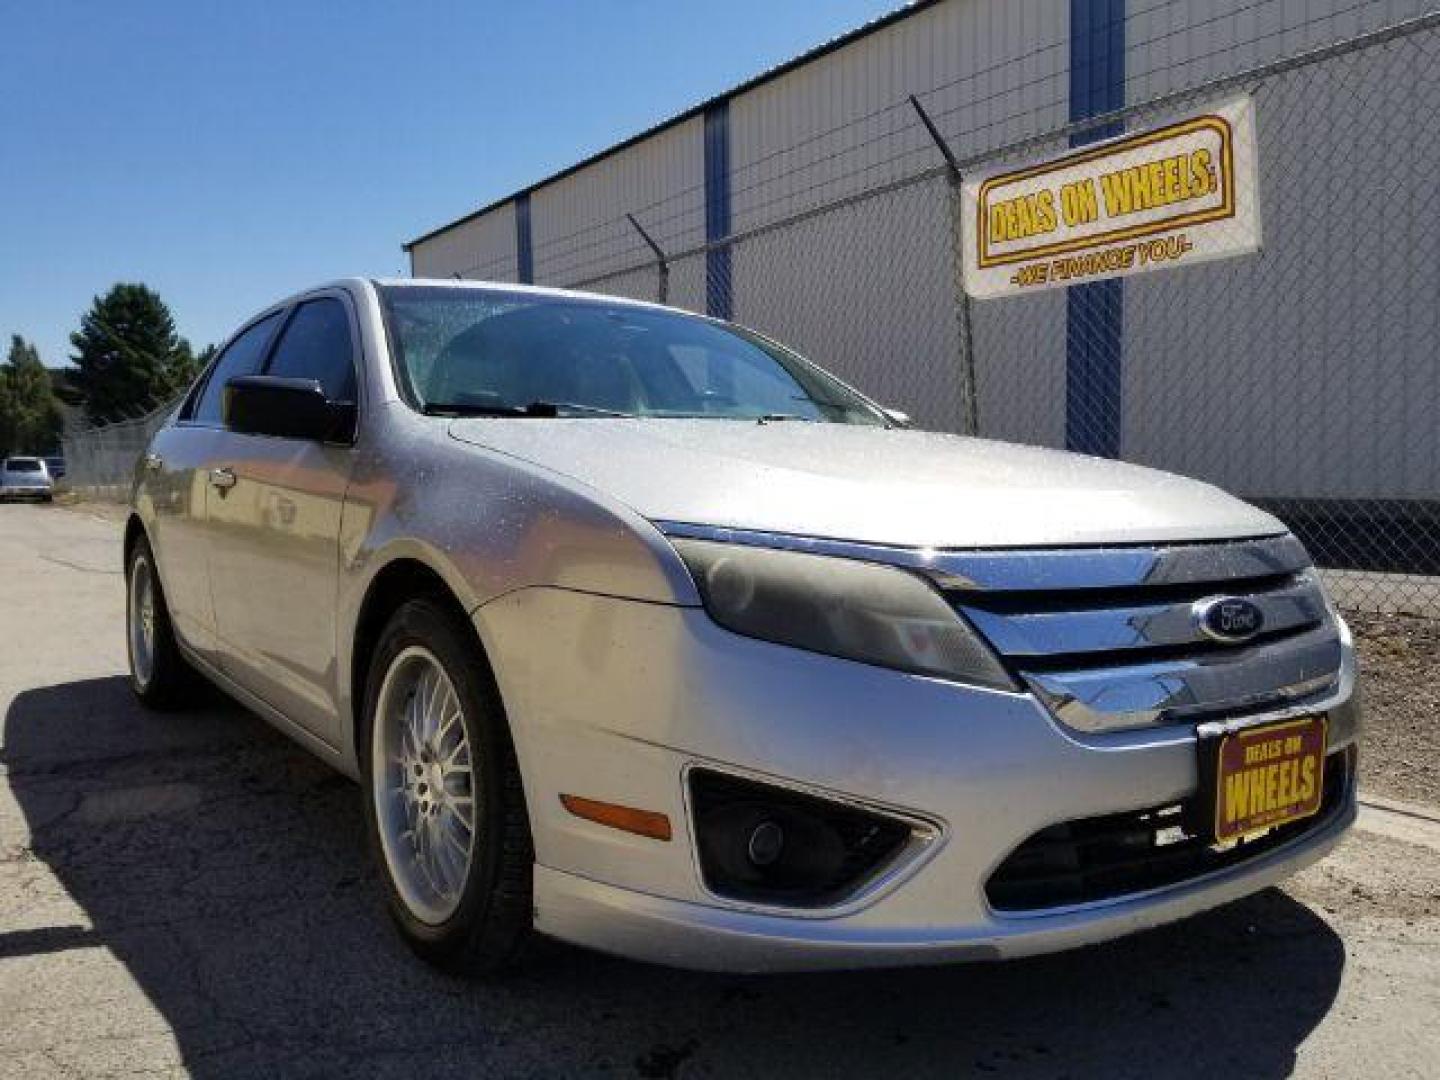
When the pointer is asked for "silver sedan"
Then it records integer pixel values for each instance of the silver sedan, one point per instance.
(26, 478)
(641, 631)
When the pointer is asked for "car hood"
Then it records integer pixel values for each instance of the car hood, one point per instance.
(869, 484)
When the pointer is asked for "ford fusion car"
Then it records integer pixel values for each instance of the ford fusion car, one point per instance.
(643, 632)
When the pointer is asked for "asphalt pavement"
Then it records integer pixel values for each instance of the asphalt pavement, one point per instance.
(190, 895)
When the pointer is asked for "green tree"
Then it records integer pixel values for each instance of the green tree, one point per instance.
(186, 364)
(30, 417)
(128, 357)
(65, 390)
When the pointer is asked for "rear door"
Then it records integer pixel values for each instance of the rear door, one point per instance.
(176, 479)
(275, 532)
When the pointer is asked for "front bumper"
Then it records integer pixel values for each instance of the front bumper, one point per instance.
(613, 700)
(652, 928)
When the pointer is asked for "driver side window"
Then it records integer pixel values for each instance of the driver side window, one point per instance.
(316, 345)
(243, 356)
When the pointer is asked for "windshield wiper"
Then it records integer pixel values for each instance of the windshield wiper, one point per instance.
(777, 417)
(557, 407)
(450, 410)
(536, 409)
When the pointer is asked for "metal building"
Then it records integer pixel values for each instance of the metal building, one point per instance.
(811, 202)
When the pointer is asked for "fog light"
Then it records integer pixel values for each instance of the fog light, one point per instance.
(767, 844)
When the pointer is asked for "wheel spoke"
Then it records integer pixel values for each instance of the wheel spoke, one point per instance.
(432, 693)
(454, 856)
(450, 713)
(452, 761)
(432, 718)
(461, 844)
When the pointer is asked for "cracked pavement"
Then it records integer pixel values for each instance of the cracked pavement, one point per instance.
(191, 895)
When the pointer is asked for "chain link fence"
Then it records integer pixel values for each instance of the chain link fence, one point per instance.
(100, 458)
(1304, 378)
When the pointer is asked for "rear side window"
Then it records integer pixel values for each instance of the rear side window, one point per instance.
(22, 464)
(316, 345)
(243, 356)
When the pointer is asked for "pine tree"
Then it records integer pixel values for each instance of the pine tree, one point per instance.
(184, 366)
(128, 357)
(30, 417)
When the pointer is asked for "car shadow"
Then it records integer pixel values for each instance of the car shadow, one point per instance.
(227, 870)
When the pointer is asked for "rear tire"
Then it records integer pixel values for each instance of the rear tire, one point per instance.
(159, 675)
(444, 805)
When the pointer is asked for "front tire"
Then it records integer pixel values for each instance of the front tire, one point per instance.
(443, 800)
(159, 675)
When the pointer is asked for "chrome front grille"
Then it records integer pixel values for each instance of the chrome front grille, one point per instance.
(1109, 638)
(1067, 624)
(1106, 637)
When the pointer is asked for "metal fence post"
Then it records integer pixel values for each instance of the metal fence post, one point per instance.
(954, 184)
(661, 262)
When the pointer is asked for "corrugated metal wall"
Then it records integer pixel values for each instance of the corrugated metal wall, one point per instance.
(483, 248)
(990, 72)
(578, 222)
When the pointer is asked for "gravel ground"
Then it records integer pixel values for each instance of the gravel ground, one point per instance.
(1400, 678)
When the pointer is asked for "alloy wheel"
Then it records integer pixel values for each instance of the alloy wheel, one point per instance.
(423, 782)
(140, 612)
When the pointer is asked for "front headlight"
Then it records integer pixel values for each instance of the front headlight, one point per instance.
(841, 607)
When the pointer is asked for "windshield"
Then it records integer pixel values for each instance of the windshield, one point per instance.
(20, 464)
(490, 352)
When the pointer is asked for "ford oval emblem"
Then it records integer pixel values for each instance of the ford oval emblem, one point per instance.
(1228, 619)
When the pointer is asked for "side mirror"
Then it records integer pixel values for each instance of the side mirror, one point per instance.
(287, 409)
(897, 418)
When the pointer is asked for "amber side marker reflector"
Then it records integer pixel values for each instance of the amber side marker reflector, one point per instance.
(625, 818)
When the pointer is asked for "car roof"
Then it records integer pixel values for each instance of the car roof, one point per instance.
(546, 291)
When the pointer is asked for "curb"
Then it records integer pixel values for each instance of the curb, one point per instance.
(1396, 806)
(1397, 820)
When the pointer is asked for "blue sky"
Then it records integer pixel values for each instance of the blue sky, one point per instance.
(228, 153)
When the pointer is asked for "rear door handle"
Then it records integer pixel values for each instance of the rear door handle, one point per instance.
(153, 462)
(223, 478)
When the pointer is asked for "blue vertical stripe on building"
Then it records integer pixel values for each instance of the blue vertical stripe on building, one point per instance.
(718, 296)
(524, 250)
(1094, 313)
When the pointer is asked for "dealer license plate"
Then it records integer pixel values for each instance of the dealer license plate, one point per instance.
(1267, 776)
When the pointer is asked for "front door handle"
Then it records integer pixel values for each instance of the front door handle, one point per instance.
(222, 479)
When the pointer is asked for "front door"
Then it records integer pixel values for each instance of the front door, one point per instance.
(177, 470)
(175, 467)
(274, 510)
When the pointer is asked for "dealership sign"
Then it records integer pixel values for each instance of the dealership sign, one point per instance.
(1181, 194)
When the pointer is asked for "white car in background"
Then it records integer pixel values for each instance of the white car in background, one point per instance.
(26, 478)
